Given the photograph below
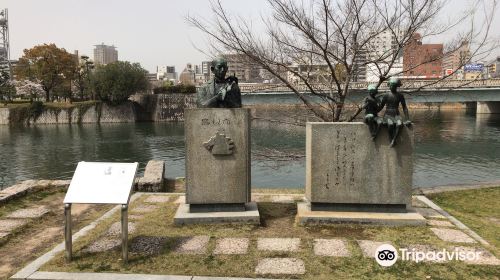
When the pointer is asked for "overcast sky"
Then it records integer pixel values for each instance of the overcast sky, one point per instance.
(151, 32)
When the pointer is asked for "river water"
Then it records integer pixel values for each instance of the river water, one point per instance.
(452, 147)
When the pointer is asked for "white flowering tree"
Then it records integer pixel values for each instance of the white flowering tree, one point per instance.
(32, 90)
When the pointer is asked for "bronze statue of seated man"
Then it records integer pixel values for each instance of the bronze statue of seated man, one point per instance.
(220, 92)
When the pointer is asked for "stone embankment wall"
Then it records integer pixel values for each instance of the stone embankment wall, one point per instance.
(87, 113)
(4, 115)
(163, 107)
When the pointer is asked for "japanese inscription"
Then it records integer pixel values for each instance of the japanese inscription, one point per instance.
(215, 121)
(343, 166)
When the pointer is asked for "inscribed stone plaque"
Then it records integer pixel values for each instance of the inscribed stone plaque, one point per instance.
(217, 156)
(344, 165)
(101, 182)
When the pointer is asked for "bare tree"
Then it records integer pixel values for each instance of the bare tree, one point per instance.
(325, 45)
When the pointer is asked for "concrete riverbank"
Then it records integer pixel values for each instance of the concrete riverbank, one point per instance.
(161, 108)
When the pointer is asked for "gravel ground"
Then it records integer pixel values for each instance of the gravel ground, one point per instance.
(148, 245)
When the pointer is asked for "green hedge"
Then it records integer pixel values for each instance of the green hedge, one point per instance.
(175, 89)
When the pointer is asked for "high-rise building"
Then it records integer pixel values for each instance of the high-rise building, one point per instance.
(493, 68)
(359, 66)
(383, 51)
(241, 66)
(187, 76)
(205, 67)
(166, 73)
(104, 54)
(454, 61)
(422, 61)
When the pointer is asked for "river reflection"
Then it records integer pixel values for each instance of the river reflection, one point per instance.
(452, 147)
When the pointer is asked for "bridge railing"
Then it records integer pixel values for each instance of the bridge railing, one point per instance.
(407, 84)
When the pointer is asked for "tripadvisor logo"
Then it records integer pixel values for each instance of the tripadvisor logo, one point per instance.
(387, 255)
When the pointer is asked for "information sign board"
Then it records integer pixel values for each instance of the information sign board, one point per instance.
(101, 183)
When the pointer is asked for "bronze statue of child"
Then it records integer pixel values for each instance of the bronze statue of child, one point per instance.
(372, 107)
(392, 118)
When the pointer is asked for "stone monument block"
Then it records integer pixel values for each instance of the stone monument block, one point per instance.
(217, 158)
(347, 171)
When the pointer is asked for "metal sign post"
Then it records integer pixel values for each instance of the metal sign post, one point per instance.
(125, 233)
(67, 231)
(100, 183)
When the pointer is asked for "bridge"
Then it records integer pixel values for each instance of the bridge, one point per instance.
(483, 93)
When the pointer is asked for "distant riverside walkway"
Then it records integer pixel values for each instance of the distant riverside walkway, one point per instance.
(407, 85)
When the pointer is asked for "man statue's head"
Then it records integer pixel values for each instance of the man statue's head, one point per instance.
(372, 90)
(219, 68)
(394, 83)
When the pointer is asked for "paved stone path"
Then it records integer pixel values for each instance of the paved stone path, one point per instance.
(331, 248)
(285, 248)
(440, 223)
(232, 246)
(452, 235)
(369, 247)
(484, 257)
(157, 199)
(278, 244)
(193, 245)
(116, 229)
(29, 213)
(429, 213)
(280, 266)
(103, 244)
(11, 225)
(144, 209)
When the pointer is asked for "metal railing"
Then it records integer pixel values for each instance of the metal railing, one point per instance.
(407, 84)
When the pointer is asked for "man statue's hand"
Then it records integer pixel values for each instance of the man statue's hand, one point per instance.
(408, 123)
(225, 90)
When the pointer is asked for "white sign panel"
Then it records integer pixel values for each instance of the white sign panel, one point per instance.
(102, 182)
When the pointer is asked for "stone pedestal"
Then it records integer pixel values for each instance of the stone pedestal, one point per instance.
(217, 164)
(346, 171)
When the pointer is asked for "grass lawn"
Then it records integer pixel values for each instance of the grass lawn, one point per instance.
(41, 234)
(54, 105)
(66, 105)
(278, 220)
(478, 209)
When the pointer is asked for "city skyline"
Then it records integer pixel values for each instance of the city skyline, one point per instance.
(153, 33)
